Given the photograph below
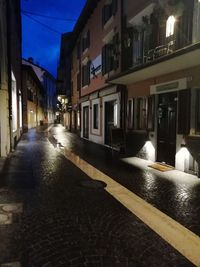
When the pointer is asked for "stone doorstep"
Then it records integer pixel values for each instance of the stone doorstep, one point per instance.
(11, 208)
(11, 264)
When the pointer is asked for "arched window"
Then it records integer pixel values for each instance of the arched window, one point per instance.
(170, 26)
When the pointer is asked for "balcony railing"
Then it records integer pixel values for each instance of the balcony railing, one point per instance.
(160, 51)
(140, 57)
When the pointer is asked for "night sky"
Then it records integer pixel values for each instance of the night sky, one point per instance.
(40, 42)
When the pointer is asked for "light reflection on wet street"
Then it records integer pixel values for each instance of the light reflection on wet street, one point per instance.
(64, 223)
(175, 193)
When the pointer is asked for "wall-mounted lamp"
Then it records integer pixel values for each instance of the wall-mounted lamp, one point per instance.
(183, 145)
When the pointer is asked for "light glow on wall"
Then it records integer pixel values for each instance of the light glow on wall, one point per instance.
(20, 110)
(115, 114)
(150, 150)
(14, 103)
(78, 119)
(182, 159)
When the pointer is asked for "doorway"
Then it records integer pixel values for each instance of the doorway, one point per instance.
(166, 140)
(109, 120)
(86, 122)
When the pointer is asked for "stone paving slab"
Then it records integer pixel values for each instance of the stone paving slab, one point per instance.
(65, 224)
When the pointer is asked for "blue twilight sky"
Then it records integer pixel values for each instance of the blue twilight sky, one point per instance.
(38, 41)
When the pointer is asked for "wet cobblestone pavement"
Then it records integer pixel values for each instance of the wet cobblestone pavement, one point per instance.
(64, 222)
(178, 198)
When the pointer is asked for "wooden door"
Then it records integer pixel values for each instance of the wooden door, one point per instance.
(109, 120)
(166, 140)
(86, 122)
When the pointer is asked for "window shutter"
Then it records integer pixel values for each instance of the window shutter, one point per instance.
(128, 51)
(78, 81)
(82, 76)
(88, 72)
(78, 50)
(103, 16)
(88, 39)
(151, 113)
(184, 97)
(103, 67)
(114, 7)
(197, 113)
(83, 44)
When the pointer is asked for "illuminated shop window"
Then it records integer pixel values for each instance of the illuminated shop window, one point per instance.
(170, 26)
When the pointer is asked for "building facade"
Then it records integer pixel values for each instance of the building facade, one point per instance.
(64, 82)
(161, 55)
(135, 66)
(97, 106)
(4, 92)
(10, 76)
(33, 99)
(48, 82)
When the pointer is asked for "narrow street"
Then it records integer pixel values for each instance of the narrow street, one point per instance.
(52, 214)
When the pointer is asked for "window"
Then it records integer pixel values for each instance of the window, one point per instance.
(170, 26)
(198, 112)
(78, 50)
(86, 74)
(184, 99)
(141, 115)
(115, 114)
(86, 41)
(151, 113)
(72, 88)
(130, 113)
(29, 94)
(107, 58)
(110, 54)
(78, 81)
(138, 47)
(95, 116)
(108, 11)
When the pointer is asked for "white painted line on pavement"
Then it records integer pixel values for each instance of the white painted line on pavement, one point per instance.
(182, 239)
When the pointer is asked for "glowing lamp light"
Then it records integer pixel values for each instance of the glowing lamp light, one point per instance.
(182, 158)
(150, 150)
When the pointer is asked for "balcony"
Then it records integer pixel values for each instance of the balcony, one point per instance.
(159, 61)
(160, 51)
